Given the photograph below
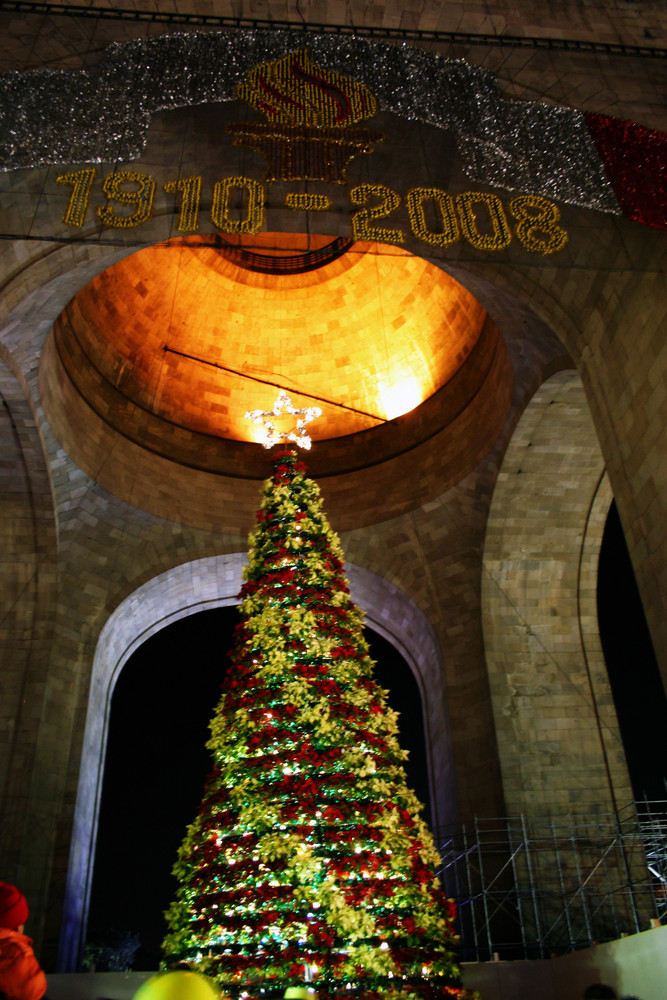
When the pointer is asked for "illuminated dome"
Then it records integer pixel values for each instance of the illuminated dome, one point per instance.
(197, 335)
(171, 347)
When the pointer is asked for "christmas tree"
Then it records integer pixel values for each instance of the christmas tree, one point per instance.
(308, 860)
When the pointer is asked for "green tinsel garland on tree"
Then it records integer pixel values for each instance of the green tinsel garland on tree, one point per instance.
(308, 857)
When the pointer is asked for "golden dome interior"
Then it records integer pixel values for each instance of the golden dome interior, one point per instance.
(188, 333)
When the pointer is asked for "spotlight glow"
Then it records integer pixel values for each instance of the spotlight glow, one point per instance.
(401, 396)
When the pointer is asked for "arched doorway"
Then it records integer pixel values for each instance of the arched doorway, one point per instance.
(209, 583)
(635, 680)
(157, 763)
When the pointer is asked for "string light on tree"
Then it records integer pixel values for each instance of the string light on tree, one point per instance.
(308, 866)
(283, 406)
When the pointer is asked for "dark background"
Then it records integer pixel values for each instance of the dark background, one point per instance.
(157, 762)
(639, 695)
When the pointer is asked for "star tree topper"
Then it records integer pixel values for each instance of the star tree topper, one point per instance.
(283, 405)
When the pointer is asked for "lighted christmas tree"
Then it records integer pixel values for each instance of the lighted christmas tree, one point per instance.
(309, 858)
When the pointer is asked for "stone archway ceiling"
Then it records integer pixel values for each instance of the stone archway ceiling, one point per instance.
(169, 348)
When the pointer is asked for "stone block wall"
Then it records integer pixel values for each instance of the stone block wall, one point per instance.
(500, 564)
(554, 714)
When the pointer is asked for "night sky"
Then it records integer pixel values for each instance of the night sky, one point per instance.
(157, 762)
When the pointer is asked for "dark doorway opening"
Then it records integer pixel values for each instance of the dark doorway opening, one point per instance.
(637, 689)
(157, 764)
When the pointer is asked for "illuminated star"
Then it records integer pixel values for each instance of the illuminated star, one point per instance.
(282, 405)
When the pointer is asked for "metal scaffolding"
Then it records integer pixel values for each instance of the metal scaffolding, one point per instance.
(531, 891)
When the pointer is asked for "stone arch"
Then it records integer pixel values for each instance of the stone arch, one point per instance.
(539, 613)
(620, 394)
(200, 585)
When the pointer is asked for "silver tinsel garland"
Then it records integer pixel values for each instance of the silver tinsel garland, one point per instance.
(103, 114)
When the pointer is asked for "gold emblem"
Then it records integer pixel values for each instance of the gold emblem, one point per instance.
(313, 114)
